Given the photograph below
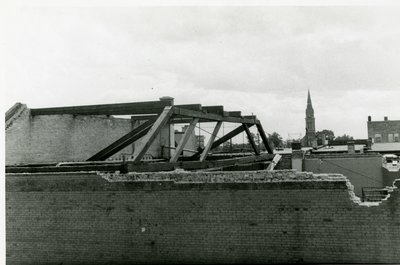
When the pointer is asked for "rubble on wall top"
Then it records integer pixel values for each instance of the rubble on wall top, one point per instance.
(223, 177)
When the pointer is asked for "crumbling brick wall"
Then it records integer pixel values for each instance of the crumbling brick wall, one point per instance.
(230, 217)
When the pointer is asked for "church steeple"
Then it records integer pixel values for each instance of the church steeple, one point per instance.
(309, 99)
(309, 109)
(310, 123)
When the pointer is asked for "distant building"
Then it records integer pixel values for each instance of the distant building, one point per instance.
(310, 139)
(385, 131)
(191, 144)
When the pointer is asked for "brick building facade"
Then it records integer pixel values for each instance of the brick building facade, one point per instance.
(386, 131)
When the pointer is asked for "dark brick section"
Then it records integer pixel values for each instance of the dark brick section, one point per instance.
(83, 218)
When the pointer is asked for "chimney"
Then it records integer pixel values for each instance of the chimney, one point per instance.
(385, 118)
(296, 145)
(350, 147)
(369, 118)
(297, 160)
(168, 99)
(324, 141)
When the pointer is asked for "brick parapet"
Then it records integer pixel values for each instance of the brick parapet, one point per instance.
(184, 217)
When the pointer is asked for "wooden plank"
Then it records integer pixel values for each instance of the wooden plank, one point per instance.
(181, 120)
(151, 135)
(184, 140)
(148, 107)
(274, 162)
(234, 113)
(190, 106)
(195, 165)
(210, 141)
(142, 167)
(247, 167)
(105, 167)
(143, 117)
(251, 140)
(214, 109)
(264, 138)
(123, 142)
(212, 116)
(184, 149)
(251, 117)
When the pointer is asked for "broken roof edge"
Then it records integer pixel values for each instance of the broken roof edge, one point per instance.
(14, 113)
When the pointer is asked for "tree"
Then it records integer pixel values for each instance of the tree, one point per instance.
(275, 140)
(329, 135)
(344, 137)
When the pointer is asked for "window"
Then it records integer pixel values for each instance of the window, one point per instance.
(396, 137)
(390, 137)
(378, 138)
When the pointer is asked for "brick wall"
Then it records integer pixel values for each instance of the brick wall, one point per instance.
(230, 217)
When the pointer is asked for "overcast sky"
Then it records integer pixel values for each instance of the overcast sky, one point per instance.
(258, 60)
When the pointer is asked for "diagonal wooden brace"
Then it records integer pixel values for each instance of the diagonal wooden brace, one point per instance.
(184, 140)
(123, 142)
(210, 142)
(154, 131)
(250, 137)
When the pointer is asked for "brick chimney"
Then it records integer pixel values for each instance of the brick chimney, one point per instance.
(350, 147)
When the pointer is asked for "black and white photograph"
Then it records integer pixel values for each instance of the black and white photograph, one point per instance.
(200, 132)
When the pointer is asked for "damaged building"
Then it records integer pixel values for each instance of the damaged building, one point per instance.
(115, 184)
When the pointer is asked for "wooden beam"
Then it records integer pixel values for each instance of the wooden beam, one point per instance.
(148, 107)
(123, 142)
(154, 131)
(184, 140)
(143, 117)
(229, 135)
(264, 138)
(274, 162)
(234, 113)
(210, 141)
(224, 138)
(190, 106)
(184, 149)
(195, 165)
(178, 120)
(212, 116)
(251, 140)
(214, 109)
(103, 167)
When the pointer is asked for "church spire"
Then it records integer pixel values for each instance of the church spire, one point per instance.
(309, 99)
(309, 109)
(310, 138)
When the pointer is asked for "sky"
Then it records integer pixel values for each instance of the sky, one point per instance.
(257, 59)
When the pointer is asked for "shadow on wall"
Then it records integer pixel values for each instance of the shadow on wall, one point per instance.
(362, 171)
